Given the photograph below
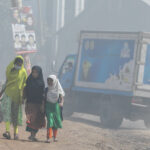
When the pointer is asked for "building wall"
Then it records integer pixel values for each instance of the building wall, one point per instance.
(56, 41)
(6, 38)
(44, 14)
(102, 15)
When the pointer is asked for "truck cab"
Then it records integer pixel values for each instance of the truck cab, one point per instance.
(66, 72)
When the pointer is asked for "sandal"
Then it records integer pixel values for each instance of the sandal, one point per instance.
(55, 140)
(16, 137)
(30, 138)
(7, 135)
(33, 139)
(48, 141)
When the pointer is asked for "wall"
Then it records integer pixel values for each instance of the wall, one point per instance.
(103, 15)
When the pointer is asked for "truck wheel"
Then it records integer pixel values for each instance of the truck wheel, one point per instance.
(70, 104)
(147, 123)
(110, 115)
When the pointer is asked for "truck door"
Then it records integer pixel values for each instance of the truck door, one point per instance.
(66, 73)
(143, 81)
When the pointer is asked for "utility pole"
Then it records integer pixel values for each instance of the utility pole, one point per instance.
(16, 3)
(41, 22)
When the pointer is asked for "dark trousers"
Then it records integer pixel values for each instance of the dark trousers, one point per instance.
(61, 113)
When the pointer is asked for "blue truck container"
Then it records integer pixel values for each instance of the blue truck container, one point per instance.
(112, 71)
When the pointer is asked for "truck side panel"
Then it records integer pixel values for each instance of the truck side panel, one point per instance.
(106, 61)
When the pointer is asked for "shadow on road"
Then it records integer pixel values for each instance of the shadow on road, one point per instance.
(88, 122)
(127, 125)
(27, 141)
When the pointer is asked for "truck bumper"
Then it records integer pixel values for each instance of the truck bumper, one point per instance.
(139, 111)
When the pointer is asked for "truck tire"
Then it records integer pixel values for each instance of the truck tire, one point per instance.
(110, 115)
(70, 105)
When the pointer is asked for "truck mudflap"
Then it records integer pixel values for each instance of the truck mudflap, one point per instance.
(140, 110)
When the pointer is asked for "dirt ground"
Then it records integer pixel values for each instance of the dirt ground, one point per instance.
(83, 132)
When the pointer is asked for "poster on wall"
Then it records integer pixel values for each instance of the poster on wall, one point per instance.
(24, 38)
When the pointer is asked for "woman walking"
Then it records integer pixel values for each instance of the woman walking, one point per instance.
(34, 92)
(53, 114)
(11, 105)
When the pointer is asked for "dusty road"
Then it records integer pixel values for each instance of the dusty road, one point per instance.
(82, 132)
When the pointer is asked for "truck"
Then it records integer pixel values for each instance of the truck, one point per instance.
(110, 76)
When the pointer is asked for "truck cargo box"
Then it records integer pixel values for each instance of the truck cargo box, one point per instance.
(114, 62)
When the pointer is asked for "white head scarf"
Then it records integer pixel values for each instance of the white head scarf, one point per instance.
(55, 90)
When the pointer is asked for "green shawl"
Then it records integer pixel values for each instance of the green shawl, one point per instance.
(15, 82)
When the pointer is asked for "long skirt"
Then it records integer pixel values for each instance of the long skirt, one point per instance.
(53, 115)
(12, 111)
(35, 118)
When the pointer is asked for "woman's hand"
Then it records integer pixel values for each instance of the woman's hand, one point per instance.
(13, 69)
(61, 101)
(61, 104)
(23, 101)
(2, 91)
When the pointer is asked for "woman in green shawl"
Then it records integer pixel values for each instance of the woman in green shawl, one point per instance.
(54, 92)
(11, 105)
